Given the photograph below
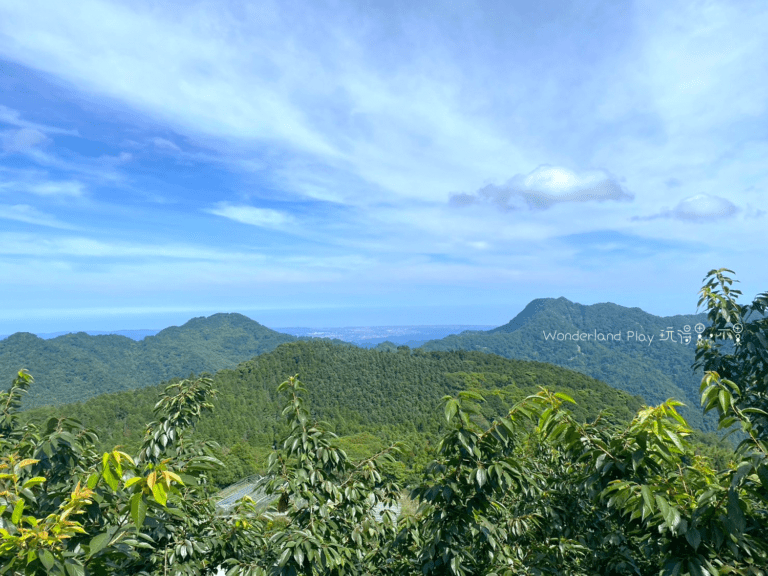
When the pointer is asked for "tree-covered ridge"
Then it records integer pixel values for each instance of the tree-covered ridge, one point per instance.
(535, 491)
(76, 367)
(358, 391)
(653, 369)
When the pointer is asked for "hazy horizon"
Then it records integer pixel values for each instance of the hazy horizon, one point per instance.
(108, 329)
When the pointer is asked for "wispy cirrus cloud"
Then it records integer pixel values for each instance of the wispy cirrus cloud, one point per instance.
(262, 217)
(30, 215)
(164, 144)
(83, 246)
(13, 117)
(22, 140)
(66, 188)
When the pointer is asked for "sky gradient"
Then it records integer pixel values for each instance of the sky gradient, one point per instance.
(375, 163)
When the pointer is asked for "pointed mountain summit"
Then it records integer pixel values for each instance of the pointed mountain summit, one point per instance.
(529, 312)
(75, 367)
(628, 348)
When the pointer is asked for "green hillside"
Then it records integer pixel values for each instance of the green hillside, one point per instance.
(646, 365)
(367, 396)
(76, 367)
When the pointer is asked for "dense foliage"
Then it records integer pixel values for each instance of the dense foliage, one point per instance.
(653, 369)
(537, 491)
(368, 397)
(76, 367)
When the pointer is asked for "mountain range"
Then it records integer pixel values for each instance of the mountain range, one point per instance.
(646, 355)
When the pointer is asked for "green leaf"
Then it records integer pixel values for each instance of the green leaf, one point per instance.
(744, 469)
(645, 490)
(73, 568)
(131, 481)
(34, 481)
(159, 493)
(664, 507)
(762, 473)
(109, 478)
(98, 543)
(564, 397)
(735, 519)
(92, 481)
(284, 557)
(725, 399)
(481, 476)
(46, 558)
(450, 409)
(17, 511)
(694, 538)
(676, 440)
(138, 509)
(469, 394)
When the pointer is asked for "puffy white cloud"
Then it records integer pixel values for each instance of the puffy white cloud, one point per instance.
(699, 208)
(704, 207)
(546, 186)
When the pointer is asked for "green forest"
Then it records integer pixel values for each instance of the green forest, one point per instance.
(76, 367)
(655, 370)
(508, 466)
(367, 397)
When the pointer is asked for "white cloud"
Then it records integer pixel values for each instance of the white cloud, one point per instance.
(22, 140)
(30, 215)
(37, 182)
(66, 188)
(703, 207)
(13, 117)
(79, 247)
(699, 208)
(263, 217)
(546, 186)
(166, 145)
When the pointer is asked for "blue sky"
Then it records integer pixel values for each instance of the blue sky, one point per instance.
(375, 163)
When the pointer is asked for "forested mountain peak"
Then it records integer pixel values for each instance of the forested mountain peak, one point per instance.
(20, 337)
(75, 367)
(207, 326)
(628, 348)
(533, 308)
(215, 321)
(603, 315)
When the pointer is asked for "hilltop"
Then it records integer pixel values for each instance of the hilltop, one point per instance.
(644, 361)
(368, 397)
(75, 367)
